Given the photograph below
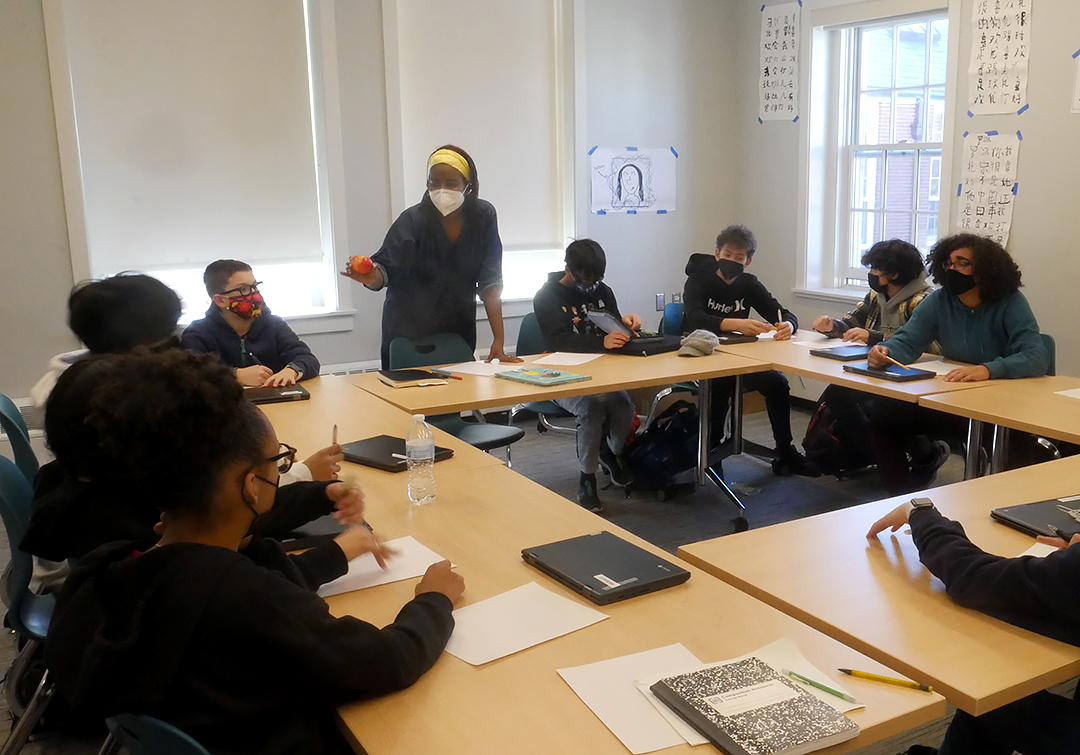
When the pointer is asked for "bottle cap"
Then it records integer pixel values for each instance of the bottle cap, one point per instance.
(418, 418)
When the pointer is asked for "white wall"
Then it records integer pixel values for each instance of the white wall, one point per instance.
(1042, 230)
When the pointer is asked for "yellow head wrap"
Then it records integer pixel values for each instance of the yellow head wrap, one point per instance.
(451, 158)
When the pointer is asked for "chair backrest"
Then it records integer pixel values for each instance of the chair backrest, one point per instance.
(15, 497)
(530, 339)
(1051, 349)
(441, 348)
(672, 324)
(143, 735)
(19, 437)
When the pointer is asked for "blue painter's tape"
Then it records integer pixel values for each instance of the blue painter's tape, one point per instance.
(661, 212)
(966, 133)
(593, 149)
(795, 119)
(1021, 110)
(800, 3)
(1015, 187)
(991, 133)
(971, 114)
(763, 9)
(673, 151)
(631, 212)
(601, 212)
(959, 187)
(1019, 136)
(760, 121)
(1076, 54)
(631, 149)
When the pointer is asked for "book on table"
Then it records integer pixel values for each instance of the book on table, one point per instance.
(544, 377)
(411, 378)
(746, 708)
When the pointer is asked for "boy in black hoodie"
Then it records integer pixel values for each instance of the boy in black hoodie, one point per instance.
(238, 652)
(718, 296)
(562, 308)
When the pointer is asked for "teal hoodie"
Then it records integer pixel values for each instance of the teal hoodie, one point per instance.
(1003, 335)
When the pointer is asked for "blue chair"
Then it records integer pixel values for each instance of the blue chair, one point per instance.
(450, 348)
(672, 324)
(19, 437)
(29, 614)
(1051, 349)
(531, 341)
(143, 735)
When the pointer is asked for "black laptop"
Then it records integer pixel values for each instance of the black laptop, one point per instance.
(275, 395)
(379, 452)
(604, 568)
(638, 345)
(1035, 518)
(893, 372)
(843, 353)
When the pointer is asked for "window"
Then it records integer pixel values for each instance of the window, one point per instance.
(193, 134)
(878, 104)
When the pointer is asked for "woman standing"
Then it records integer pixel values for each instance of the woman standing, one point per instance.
(437, 257)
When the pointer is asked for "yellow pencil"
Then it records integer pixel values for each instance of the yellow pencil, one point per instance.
(886, 679)
(898, 364)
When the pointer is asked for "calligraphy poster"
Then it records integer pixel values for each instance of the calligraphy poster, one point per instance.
(778, 91)
(988, 185)
(632, 180)
(998, 75)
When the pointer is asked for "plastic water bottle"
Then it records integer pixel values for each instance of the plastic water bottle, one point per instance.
(420, 452)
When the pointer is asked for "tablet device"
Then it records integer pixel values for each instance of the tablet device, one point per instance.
(638, 345)
(843, 353)
(277, 394)
(1035, 518)
(893, 372)
(604, 568)
(378, 452)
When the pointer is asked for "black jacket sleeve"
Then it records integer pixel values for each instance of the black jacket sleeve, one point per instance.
(1038, 594)
(196, 337)
(294, 506)
(557, 327)
(291, 350)
(768, 307)
(696, 312)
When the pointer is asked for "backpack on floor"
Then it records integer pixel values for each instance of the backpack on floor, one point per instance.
(666, 448)
(838, 446)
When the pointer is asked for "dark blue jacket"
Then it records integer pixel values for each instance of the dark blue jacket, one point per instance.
(270, 342)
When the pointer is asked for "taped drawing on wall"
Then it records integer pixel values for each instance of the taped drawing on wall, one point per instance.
(988, 185)
(998, 74)
(632, 180)
(778, 89)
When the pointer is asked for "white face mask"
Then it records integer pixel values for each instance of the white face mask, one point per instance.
(446, 200)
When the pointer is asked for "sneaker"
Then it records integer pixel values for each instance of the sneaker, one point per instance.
(615, 466)
(924, 472)
(586, 496)
(790, 460)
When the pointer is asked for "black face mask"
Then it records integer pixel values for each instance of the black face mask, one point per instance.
(586, 288)
(958, 284)
(254, 527)
(875, 283)
(730, 269)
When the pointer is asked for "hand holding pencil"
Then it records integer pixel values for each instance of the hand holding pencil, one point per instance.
(878, 358)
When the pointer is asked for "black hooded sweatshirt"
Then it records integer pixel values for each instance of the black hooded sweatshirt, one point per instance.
(708, 299)
(561, 313)
(242, 657)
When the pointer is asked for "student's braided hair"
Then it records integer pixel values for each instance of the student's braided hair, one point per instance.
(170, 424)
(997, 274)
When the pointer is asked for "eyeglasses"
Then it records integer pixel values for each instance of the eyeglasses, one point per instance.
(243, 290)
(959, 266)
(285, 459)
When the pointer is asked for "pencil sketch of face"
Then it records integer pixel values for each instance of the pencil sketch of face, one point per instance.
(630, 184)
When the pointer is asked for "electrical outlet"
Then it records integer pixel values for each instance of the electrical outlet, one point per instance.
(659, 302)
(676, 297)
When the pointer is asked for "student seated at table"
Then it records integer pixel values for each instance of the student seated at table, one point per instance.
(113, 316)
(719, 295)
(185, 628)
(978, 316)
(260, 347)
(1038, 594)
(79, 505)
(604, 420)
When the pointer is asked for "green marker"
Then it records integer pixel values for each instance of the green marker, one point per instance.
(820, 686)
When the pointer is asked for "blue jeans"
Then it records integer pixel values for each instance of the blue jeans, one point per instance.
(614, 410)
(1039, 724)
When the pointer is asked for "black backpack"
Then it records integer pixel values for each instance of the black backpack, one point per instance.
(838, 445)
(666, 448)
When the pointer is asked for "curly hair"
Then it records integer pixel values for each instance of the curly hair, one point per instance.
(73, 442)
(170, 424)
(995, 271)
(740, 237)
(895, 256)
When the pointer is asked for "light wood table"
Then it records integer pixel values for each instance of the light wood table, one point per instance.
(878, 598)
(481, 520)
(308, 426)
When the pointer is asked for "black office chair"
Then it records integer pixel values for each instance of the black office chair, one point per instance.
(531, 341)
(450, 348)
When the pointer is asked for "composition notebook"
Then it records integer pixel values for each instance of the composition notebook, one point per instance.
(892, 372)
(746, 708)
(541, 376)
(410, 378)
(277, 394)
(379, 452)
(1035, 518)
(604, 568)
(843, 353)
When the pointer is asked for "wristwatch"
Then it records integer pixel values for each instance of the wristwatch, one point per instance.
(919, 503)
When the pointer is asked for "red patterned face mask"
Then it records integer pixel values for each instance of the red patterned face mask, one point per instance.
(248, 307)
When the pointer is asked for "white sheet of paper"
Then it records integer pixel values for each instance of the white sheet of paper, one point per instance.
(813, 340)
(412, 560)
(475, 368)
(609, 689)
(564, 358)
(1072, 393)
(515, 620)
(937, 366)
(685, 730)
(1039, 550)
(767, 335)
